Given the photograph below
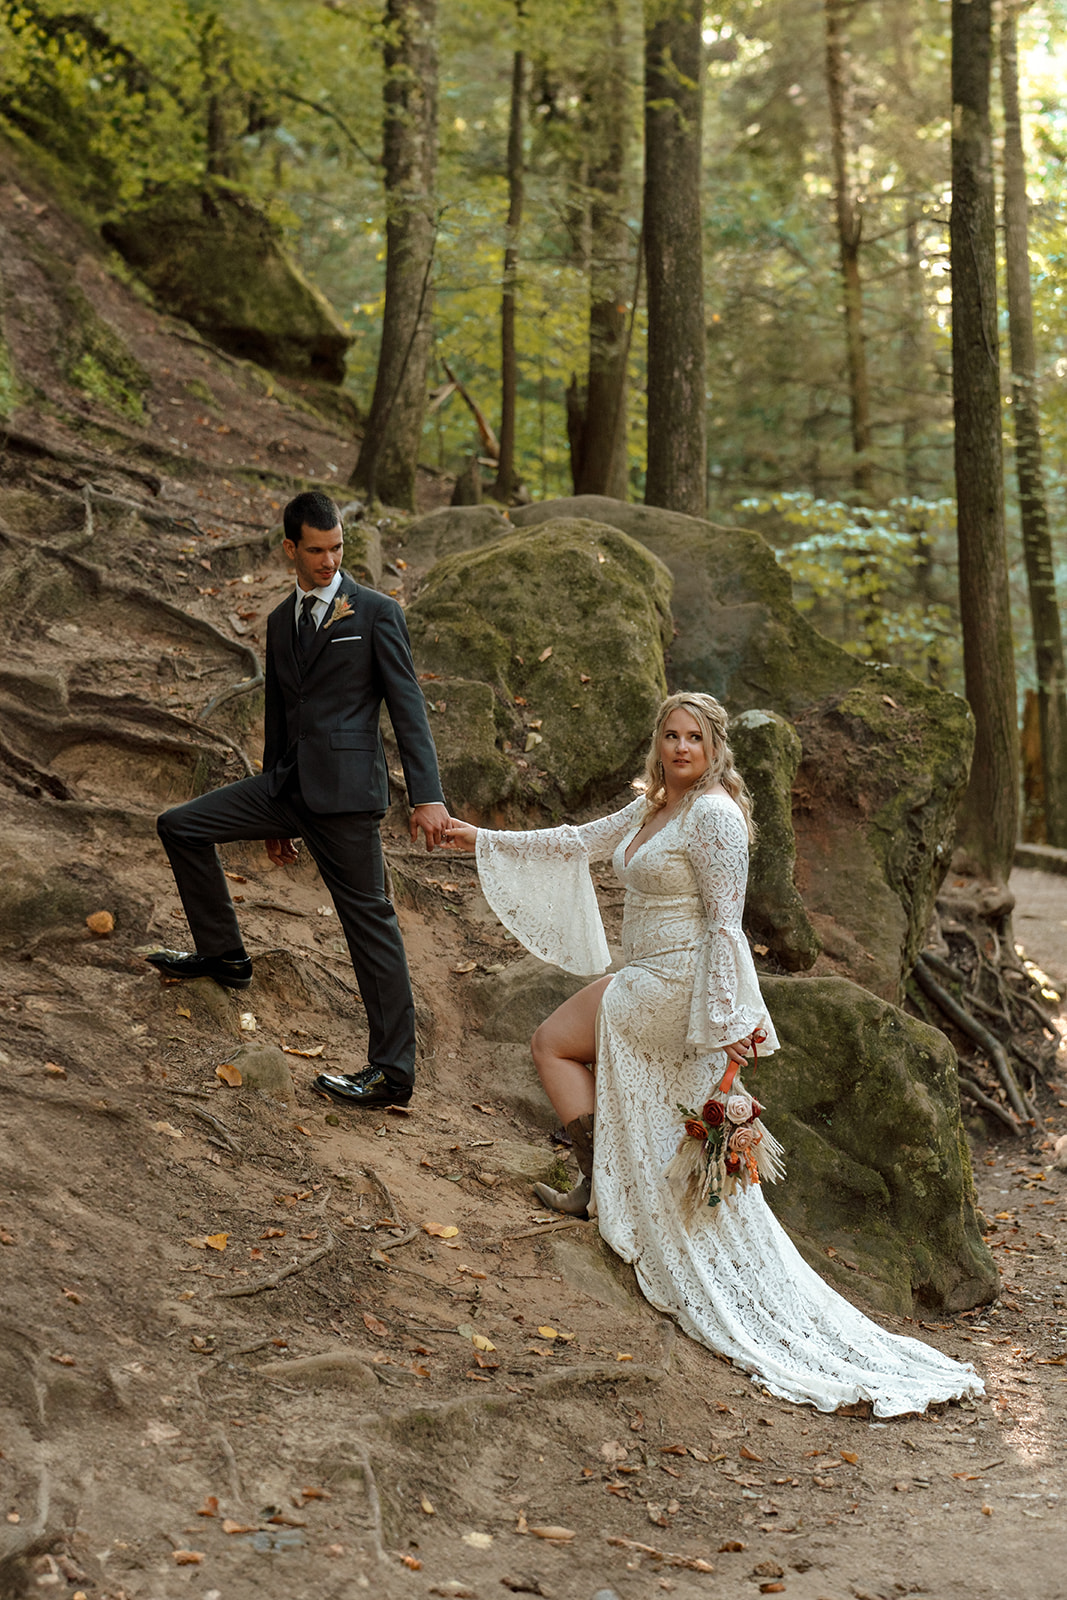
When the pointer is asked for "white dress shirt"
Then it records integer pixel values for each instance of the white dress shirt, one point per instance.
(322, 600)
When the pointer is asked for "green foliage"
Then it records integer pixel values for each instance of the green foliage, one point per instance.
(875, 580)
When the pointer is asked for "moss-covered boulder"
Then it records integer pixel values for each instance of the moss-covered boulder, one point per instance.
(874, 808)
(885, 757)
(210, 256)
(477, 777)
(567, 624)
(878, 1193)
(767, 750)
(738, 635)
(449, 531)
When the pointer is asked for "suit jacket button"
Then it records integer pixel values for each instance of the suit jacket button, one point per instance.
(303, 736)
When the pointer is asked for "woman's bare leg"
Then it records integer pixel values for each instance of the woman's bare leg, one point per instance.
(564, 1047)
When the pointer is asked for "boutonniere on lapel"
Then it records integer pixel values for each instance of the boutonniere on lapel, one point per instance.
(341, 610)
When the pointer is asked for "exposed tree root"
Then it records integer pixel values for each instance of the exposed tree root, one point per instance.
(278, 1277)
(970, 982)
(969, 1025)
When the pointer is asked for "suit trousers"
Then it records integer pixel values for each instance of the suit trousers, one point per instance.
(348, 853)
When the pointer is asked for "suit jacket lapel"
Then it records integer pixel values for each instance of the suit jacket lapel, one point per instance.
(348, 589)
(287, 657)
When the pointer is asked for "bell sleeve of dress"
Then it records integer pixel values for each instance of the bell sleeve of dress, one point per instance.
(727, 1003)
(538, 884)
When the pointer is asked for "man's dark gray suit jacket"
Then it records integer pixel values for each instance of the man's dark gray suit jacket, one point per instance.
(322, 708)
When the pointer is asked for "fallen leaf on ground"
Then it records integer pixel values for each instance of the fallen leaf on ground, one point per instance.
(316, 1494)
(229, 1526)
(622, 1356)
(748, 1455)
(411, 1561)
(167, 1128)
(273, 1233)
(101, 923)
(427, 1507)
(63, 1361)
(188, 1558)
(552, 1532)
(440, 1230)
(850, 1456)
(547, 1333)
(489, 1111)
(374, 1324)
(465, 966)
(216, 1241)
(480, 1342)
(732, 1545)
(247, 1022)
(182, 1011)
(545, 653)
(229, 1074)
(210, 1507)
(309, 1055)
(772, 1588)
(612, 1450)
(987, 1511)
(478, 1541)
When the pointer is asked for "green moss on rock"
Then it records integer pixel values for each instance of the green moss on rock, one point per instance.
(879, 1192)
(476, 776)
(210, 256)
(567, 624)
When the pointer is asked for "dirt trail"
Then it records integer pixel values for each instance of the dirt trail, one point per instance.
(401, 1412)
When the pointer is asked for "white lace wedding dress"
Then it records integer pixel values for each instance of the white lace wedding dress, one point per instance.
(733, 1279)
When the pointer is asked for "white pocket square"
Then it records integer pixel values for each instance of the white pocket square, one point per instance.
(347, 638)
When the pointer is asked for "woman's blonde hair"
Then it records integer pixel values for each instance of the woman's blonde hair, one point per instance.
(712, 718)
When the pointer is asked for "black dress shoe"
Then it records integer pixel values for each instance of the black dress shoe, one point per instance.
(368, 1088)
(184, 964)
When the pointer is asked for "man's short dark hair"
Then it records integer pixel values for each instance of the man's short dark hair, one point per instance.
(312, 509)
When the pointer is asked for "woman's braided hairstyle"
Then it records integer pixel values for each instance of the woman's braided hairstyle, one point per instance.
(711, 716)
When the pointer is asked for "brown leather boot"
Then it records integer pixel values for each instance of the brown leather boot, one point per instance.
(574, 1202)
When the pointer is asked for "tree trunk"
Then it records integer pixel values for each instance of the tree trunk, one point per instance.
(598, 433)
(1033, 512)
(389, 454)
(505, 477)
(849, 234)
(988, 816)
(676, 474)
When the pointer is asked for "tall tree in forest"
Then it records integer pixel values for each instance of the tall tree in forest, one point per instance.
(596, 411)
(849, 234)
(389, 453)
(676, 475)
(1033, 510)
(989, 814)
(505, 477)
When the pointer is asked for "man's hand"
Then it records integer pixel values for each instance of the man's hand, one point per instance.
(433, 820)
(283, 852)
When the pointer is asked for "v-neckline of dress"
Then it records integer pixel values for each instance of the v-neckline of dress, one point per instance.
(629, 861)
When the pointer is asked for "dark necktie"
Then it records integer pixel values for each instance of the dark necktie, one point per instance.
(305, 631)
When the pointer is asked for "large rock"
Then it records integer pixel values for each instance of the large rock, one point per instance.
(567, 624)
(451, 530)
(477, 777)
(878, 1193)
(210, 256)
(514, 1002)
(885, 757)
(874, 808)
(738, 635)
(767, 751)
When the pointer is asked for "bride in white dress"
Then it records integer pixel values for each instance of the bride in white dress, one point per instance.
(660, 1034)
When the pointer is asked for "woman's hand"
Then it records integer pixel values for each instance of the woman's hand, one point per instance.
(740, 1051)
(460, 835)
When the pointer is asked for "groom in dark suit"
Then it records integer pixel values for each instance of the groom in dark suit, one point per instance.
(335, 651)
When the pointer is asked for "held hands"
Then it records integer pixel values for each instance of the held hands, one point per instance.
(460, 835)
(740, 1051)
(433, 819)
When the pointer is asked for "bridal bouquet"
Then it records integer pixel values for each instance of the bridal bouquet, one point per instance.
(724, 1146)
